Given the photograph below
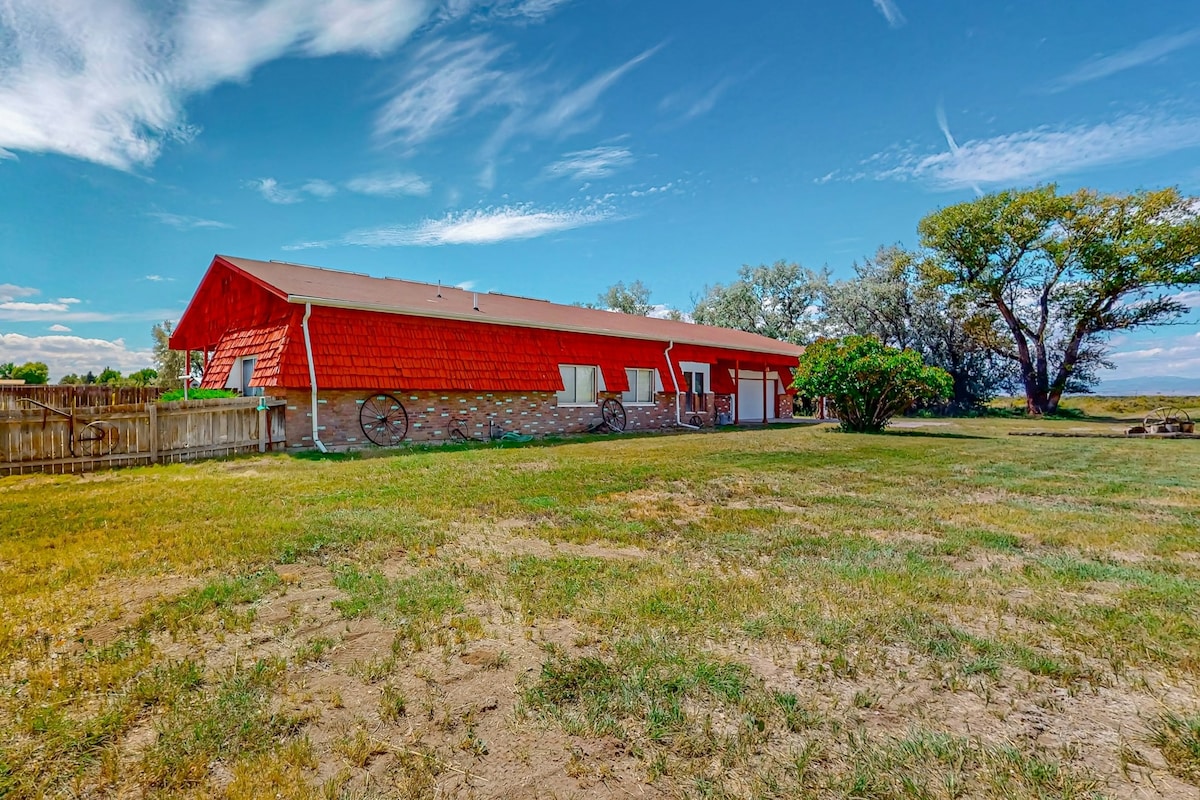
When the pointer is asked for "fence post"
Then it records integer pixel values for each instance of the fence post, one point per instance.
(262, 429)
(152, 408)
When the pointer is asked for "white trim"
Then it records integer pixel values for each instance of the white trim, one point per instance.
(517, 323)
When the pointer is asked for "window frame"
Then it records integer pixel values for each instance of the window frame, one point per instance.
(631, 376)
(575, 403)
(696, 402)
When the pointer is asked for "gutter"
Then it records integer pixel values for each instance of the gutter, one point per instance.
(312, 378)
(675, 383)
(516, 323)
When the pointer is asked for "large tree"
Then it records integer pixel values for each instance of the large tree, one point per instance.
(1050, 276)
(888, 298)
(32, 372)
(633, 299)
(168, 363)
(774, 301)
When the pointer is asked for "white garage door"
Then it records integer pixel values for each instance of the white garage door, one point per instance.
(750, 398)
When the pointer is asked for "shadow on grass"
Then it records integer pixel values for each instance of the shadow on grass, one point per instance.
(928, 435)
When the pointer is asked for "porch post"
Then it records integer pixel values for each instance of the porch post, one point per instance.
(737, 387)
(764, 394)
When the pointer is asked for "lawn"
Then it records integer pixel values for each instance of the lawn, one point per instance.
(944, 611)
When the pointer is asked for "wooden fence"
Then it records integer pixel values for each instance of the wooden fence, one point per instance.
(100, 437)
(71, 396)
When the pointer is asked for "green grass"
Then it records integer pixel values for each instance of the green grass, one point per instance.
(745, 611)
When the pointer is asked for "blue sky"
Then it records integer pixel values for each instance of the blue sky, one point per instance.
(547, 147)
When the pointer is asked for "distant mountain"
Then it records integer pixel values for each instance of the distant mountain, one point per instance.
(1153, 384)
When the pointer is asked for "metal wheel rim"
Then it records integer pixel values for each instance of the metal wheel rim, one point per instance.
(383, 420)
(98, 438)
(613, 414)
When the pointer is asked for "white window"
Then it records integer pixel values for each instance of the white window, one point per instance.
(641, 386)
(579, 385)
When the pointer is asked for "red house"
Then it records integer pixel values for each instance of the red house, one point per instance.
(361, 359)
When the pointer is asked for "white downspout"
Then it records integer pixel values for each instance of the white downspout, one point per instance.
(312, 378)
(675, 383)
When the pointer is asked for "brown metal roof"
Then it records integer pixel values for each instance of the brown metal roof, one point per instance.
(327, 287)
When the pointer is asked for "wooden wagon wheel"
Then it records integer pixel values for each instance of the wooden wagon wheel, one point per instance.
(383, 420)
(97, 438)
(1165, 415)
(613, 414)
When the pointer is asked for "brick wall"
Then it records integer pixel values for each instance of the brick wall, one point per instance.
(430, 415)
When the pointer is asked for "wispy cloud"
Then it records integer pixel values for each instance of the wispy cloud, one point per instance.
(516, 10)
(390, 184)
(65, 354)
(275, 192)
(480, 226)
(688, 104)
(1141, 53)
(184, 222)
(598, 162)
(891, 12)
(445, 81)
(1038, 153)
(571, 111)
(10, 292)
(944, 126)
(157, 279)
(59, 329)
(62, 309)
(107, 81)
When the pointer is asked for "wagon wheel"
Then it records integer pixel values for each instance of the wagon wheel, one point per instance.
(98, 438)
(383, 419)
(695, 421)
(1165, 415)
(613, 414)
(458, 430)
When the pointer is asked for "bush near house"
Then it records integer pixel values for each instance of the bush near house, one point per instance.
(867, 381)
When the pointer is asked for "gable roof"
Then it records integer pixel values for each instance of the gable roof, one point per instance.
(301, 284)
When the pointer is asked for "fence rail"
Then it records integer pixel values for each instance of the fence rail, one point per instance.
(40, 440)
(72, 396)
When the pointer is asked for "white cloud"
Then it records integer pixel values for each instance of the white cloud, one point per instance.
(319, 188)
(481, 226)
(10, 292)
(599, 162)
(1190, 298)
(696, 106)
(516, 10)
(275, 192)
(106, 81)
(1139, 54)
(184, 222)
(390, 184)
(891, 12)
(10, 305)
(445, 80)
(157, 279)
(652, 190)
(59, 329)
(1177, 355)
(568, 112)
(64, 354)
(466, 286)
(1039, 153)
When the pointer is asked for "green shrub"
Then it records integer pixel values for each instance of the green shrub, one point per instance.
(196, 394)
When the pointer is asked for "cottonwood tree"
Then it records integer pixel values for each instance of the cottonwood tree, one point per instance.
(633, 299)
(868, 382)
(774, 301)
(1050, 276)
(32, 372)
(887, 298)
(168, 363)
